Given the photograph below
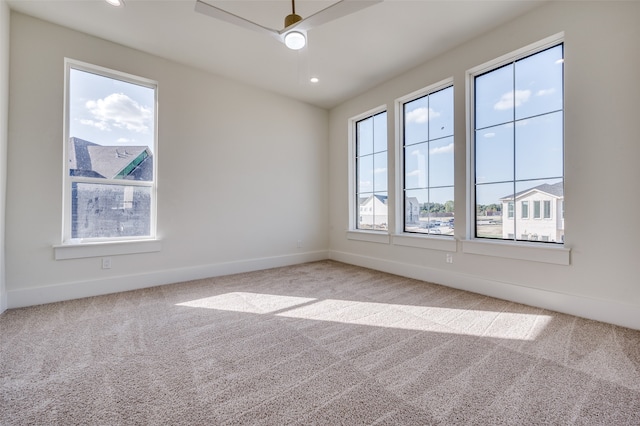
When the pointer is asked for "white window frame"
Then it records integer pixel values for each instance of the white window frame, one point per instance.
(400, 176)
(522, 250)
(354, 233)
(76, 248)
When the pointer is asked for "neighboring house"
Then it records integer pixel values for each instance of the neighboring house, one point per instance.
(411, 211)
(536, 214)
(374, 211)
(110, 162)
(110, 207)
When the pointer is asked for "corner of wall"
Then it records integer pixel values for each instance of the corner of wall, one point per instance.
(4, 135)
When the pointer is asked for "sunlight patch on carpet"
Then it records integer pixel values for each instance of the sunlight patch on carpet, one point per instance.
(469, 322)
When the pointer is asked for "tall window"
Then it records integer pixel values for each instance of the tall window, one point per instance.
(518, 147)
(110, 146)
(371, 173)
(428, 163)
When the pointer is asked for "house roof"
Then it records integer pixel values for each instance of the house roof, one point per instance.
(556, 189)
(381, 198)
(92, 160)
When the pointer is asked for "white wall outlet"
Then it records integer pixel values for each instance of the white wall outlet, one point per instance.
(449, 258)
(106, 263)
(299, 243)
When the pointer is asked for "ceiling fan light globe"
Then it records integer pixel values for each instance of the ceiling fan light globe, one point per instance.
(295, 40)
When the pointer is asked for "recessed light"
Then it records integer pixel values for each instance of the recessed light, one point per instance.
(116, 3)
(314, 79)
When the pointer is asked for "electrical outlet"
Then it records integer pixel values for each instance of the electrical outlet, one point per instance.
(299, 243)
(449, 258)
(106, 263)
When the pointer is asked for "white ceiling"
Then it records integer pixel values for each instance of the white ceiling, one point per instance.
(349, 55)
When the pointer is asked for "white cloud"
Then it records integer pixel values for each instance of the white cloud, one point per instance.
(415, 172)
(447, 149)
(119, 110)
(380, 170)
(124, 140)
(421, 115)
(489, 135)
(509, 99)
(97, 124)
(415, 152)
(545, 92)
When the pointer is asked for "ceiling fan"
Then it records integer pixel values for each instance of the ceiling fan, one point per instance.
(294, 33)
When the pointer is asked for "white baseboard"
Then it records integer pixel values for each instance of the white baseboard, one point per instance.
(612, 312)
(79, 289)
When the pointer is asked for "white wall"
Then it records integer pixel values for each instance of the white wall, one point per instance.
(601, 168)
(4, 113)
(242, 174)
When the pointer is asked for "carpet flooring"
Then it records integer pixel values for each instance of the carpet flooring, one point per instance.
(322, 343)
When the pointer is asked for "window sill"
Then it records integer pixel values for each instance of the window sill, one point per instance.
(535, 252)
(79, 251)
(369, 236)
(433, 242)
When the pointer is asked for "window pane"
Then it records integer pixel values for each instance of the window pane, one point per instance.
(380, 132)
(441, 171)
(380, 172)
(416, 121)
(539, 147)
(416, 217)
(416, 166)
(441, 211)
(441, 113)
(536, 209)
(539, 80)
(495, 98)
(547, 209)
(365, 174)
(100, 211)
(491, 201)
(111, 127)
(373, 212)
(524, 209)
(364, 137)
(494, 154)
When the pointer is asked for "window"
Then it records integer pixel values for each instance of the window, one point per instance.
(371, 172)
(536, 209)
(428, 163)
(547, 209)
(110, 146)
(518, 143)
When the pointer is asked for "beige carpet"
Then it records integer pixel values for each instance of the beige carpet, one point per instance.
(321, 343)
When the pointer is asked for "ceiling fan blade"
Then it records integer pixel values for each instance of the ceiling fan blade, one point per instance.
(335, 11)
(223, 15)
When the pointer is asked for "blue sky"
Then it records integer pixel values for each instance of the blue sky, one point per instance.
(107, 111)
(521, 102)
(428, 138)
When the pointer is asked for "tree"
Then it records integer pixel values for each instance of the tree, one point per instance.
(448, 206)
